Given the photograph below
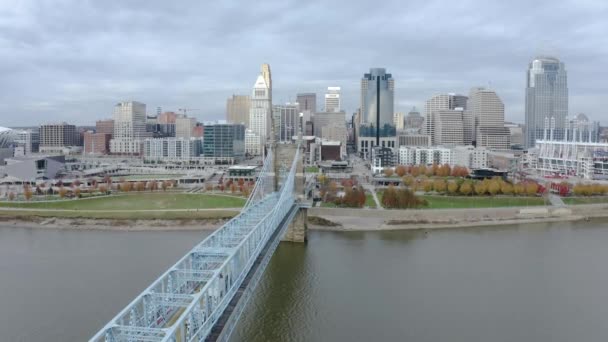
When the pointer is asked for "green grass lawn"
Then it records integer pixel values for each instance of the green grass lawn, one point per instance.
(139, 201)
(369, 201)
(123, 215)
(448, 202)
(584, 200)
(328, 205)
(311, 169)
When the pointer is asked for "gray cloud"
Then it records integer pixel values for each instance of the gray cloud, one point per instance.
(72, 60)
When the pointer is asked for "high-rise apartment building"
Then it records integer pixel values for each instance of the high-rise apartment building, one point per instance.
(441, 102)
(376, 127)
(488, 113)
(332, 100)
(29, 139)
(237, 109)
(546, 98)
(57, 135)
(184, 127)
(129, 128)
(287, 122)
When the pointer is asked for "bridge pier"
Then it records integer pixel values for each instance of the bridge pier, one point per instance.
(298, 228)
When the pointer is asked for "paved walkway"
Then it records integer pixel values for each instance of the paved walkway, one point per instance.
(556, 201)
(372, 190)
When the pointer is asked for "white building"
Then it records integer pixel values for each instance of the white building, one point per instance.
(399, 121)
(29, 140)
(471, 157)
(260, 111)
(425, 156)
(332, 100)
(172, 149)
(129, 128)
(253, 145)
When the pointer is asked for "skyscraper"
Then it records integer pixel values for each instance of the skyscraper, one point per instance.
(546, 97)
(441, 102)
(376, 128)
(286, 121)
(488, 113)
(237, 109)
(260, 110)
(332, 100)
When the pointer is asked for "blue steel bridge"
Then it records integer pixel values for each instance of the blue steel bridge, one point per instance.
(203, 295)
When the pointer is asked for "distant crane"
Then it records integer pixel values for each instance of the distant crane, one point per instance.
(185, 110)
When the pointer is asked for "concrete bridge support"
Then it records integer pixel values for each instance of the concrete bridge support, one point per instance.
(298, 229)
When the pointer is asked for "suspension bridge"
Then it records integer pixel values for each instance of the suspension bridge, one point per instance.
(202, 296)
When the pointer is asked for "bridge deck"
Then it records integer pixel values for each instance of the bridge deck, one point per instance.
(222, 330)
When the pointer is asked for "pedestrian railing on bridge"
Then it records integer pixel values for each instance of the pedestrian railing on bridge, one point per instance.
(186, 302)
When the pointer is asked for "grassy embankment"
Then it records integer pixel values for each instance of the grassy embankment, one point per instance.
(132, 206)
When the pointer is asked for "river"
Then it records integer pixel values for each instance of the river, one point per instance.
(541, 282)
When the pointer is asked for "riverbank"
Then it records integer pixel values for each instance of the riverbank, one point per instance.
(323, 219)
(342, 219)
(36, 222)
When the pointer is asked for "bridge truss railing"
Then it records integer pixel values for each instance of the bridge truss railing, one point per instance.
(187, 300)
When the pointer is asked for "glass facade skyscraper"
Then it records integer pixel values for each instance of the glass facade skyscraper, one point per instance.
(377, 100)
(546, 98)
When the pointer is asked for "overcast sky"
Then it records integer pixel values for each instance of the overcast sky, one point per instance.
(72, 60)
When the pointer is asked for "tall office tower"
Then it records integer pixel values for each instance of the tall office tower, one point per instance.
(488, 113)
(237, 109)
(377, 103)
(546, 98)
(159, 110)
(287, 122)
(260, 110)
(399, 120)
(449, 126)
(184, 127)
(307, 101)
(441, 102)
(129, 128)
(307, 105)
(332, 100)
(268, 78)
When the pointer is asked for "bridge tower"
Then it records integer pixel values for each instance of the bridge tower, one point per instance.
(297, 230)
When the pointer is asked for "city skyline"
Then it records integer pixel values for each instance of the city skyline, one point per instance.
(57, 67)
